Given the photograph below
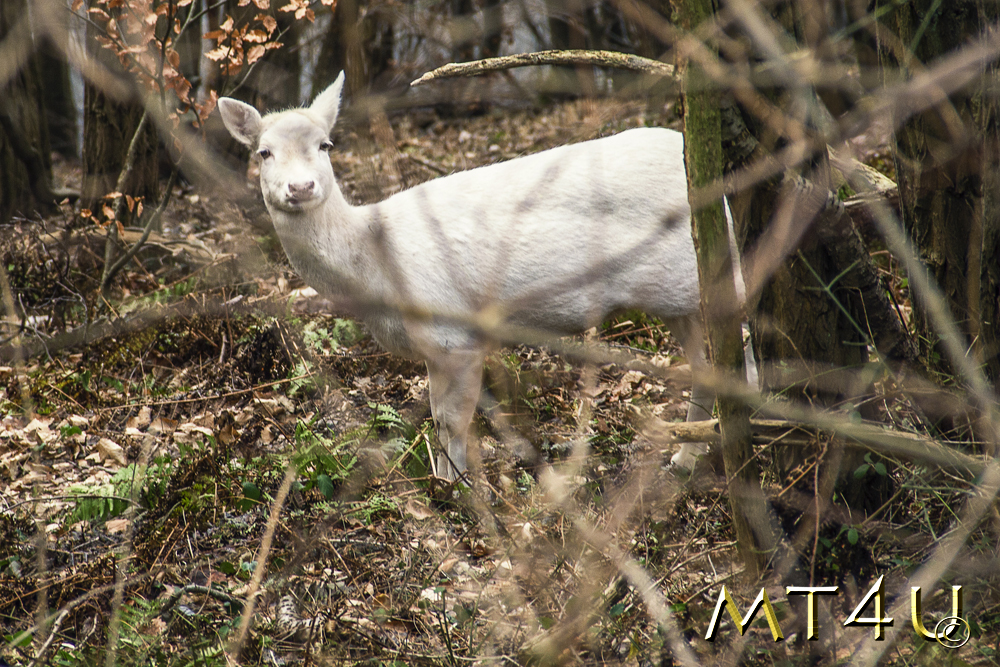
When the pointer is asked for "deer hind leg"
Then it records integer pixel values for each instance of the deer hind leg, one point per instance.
(455, 379)
(688, 331)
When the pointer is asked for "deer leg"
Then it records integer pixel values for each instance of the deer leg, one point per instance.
(691, 336)
(455, 379)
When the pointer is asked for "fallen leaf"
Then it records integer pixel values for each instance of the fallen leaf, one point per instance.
(116, 525)
(418, 510)
(111, 450)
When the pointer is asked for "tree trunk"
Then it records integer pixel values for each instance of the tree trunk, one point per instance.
(492, 29)
(25, 162)
(803, 319)
(703, 160)
(60, 107)
(463, 45)
(948, 175)
(108, 127)
(341, 51)
(566, 19)
(274, 81)
(188, 46)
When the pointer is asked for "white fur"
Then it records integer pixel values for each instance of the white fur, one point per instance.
(556, 241)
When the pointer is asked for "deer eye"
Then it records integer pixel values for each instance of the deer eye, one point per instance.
(326, 146)
(264, 153)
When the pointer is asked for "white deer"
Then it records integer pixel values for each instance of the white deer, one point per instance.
(557, 241)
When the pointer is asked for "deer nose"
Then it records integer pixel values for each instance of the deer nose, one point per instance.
(304, 188)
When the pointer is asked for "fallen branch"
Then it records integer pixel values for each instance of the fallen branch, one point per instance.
(552, 57)
(872, 437)
(194, 251)
(120, 326)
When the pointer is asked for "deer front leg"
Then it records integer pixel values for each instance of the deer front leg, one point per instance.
(455, 379)
(689, 332)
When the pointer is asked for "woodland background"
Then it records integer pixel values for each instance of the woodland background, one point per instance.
(205, 462)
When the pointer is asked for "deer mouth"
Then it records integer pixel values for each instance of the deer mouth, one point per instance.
(299, 202)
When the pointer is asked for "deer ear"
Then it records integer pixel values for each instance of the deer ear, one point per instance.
(327, 104)
(241, 119)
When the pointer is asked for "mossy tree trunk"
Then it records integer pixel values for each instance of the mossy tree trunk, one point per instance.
(948, 171)
(721, 311)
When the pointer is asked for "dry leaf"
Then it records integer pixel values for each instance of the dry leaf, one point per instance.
(418, 510)
(111, 450)
(116, 525)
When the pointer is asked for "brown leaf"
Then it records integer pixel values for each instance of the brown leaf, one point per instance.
(418, 510)
(218, 54)
(208, 106)
(116, 525)
(111, 450)
(162, 425)
(269, 22)
(255, 53)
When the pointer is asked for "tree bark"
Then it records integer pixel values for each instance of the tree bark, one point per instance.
(273, 83)
(25, 162)
(492, 29)
(720, 309)
(60, 108)
(565, 32)
(948, 169)
(109, 124)
(341, 50)
(807, 323)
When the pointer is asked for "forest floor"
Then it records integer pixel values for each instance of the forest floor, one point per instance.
(232, 447)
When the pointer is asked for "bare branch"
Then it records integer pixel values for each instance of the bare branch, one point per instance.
(551, 57)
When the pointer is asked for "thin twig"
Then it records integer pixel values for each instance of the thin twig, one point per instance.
(126, 171)
(109, 274)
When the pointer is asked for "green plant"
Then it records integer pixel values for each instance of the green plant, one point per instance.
(327, 339)
(106, 501)
(324, 461)
(374, 506)
(302, 379)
